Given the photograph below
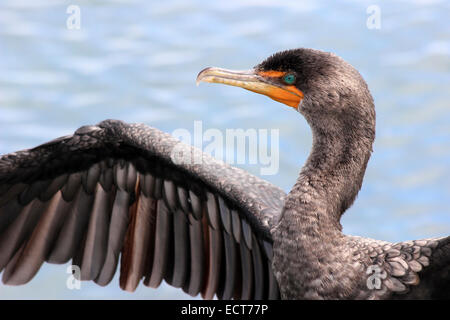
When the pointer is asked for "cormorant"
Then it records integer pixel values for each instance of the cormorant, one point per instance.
(116, 189)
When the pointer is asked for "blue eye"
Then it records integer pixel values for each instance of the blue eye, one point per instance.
(289, 78)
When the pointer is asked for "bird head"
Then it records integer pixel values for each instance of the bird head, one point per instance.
(320, 85)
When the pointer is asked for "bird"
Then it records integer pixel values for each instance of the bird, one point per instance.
(124, 194)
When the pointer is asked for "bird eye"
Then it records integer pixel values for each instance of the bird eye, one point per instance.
(289, 78)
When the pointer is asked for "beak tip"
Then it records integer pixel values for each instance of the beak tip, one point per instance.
(200, 76)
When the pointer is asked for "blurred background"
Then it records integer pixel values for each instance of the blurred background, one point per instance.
(137, 61)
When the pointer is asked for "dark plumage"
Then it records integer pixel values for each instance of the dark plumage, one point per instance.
(117, 189)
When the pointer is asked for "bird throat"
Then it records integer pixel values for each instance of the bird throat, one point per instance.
(329, 181)
(309, 232)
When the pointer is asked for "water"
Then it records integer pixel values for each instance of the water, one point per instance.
(137, 61)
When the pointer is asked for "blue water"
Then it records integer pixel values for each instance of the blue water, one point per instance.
(137, 61)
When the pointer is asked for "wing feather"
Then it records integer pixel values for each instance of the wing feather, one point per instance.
(113, 191)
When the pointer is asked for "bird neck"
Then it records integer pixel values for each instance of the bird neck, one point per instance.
(330, 180)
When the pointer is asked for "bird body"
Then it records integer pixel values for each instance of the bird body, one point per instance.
(119, 190)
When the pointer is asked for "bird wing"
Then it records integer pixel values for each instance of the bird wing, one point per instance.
(171, 212)
(418, 269)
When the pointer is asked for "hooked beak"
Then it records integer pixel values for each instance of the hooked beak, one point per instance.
(263, 82)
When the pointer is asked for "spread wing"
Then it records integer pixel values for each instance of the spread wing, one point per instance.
(418, 269)
(167, 210)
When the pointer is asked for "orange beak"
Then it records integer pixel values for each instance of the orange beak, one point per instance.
(263, 82)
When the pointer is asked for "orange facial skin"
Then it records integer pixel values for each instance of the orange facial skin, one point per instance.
(288, 95)
(271, 74)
